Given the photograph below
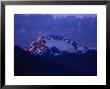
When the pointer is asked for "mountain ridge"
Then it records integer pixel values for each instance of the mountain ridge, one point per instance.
(55, 42)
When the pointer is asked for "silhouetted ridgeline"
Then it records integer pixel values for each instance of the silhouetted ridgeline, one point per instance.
(26, 64)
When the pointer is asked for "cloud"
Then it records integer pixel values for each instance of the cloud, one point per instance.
(55, 16)
(25, 14)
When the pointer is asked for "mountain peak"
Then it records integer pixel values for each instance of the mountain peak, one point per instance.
(54, 45)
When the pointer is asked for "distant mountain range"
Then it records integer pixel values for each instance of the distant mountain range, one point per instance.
(67, 64)
(55, 45)
(54, 56)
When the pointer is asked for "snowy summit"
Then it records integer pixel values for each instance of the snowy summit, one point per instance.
(54, 45)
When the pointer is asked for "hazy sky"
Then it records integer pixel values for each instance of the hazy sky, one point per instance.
(81, 28)
(76, 15)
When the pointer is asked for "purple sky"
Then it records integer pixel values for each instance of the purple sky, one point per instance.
(77, 27)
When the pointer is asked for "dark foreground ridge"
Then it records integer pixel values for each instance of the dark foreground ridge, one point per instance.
(26, 64)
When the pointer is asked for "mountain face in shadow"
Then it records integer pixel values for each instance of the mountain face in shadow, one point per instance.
(67, 64)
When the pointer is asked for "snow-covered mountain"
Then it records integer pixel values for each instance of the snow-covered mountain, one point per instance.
(55, 45)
